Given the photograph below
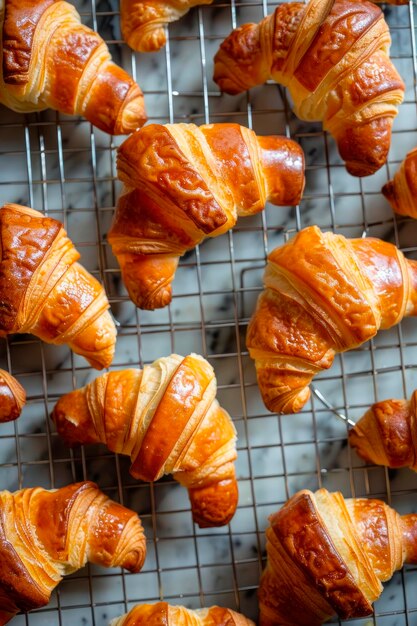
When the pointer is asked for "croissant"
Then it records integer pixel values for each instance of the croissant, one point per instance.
(12, 397)
(324, 294)
(50, 60)
(142, 22)
(329, 555)
(184, 183)
(387, 433)
(45, 535)
(45, 292)
(168, 615)
(167, 419)
(333, 57)
(401, 192)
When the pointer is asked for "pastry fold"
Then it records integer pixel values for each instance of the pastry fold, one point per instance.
(44, 291)
(51, 60)
(323, 294)
(167, 419)
(183, 183)
(333, 55)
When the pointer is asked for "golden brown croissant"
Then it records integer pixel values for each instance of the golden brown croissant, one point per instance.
(324, 294)
(401, 192)
(12, 397)
(329, 555)
(45, 535)
(167, 419)
(333, 57)
(50, 60)
(164, 614)
(45, 292)
(184, 183)
(143, 21)
(387, 433)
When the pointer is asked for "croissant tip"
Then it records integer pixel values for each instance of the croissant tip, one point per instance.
(288, 404)
(132, 114)
(146, 40)
(215, 504)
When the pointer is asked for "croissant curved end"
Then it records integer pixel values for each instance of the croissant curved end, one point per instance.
(388, 190)
(148, 278)
(365, 148)
(149, 38)
(132, 114)
(283, 163)
(214, 504)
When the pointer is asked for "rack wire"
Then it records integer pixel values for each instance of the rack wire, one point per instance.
(64, 167)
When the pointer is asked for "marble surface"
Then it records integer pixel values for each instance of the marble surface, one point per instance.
(64, 167)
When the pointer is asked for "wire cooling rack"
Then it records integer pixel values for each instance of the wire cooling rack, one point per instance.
(64, 167)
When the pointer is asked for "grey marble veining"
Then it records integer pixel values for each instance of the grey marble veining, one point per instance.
(64, 167)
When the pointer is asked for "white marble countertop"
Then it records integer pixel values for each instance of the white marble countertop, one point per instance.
(61, 166)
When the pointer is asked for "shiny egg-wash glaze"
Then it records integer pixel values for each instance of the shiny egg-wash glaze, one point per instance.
(184, 183)
(44, 291)
(333, 57)
(12, 397)
(162, 614)
(167, 419)
(324, 294)
(45, 535)
(387, 433)
(51, 60)
(328, 555)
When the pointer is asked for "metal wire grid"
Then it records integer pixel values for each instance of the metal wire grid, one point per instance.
(67, 169)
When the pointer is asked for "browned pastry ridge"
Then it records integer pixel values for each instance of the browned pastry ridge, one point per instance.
(329, 555)
(167, 419)
(143, 21)
(44, 291)
(184, 183)
(401, 192)
(51, 60)
(333, 57)
(12, 397)
(323, 294)
(45, 535)
(387, 433)
(163, 614)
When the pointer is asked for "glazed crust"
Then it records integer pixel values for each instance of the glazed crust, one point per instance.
(401, 192)
(78, 76)
(387, 433)
(184, 183)
(12, 397)
(333, 57)
(44, 291)
(328, 555)
(47, 534)
(143, 22)
(324, 294)
(167, 419)
(162, 614)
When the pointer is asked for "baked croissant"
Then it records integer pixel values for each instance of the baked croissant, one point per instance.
(44, 291)
(387, 433)
(167, 419)
(12, 397)
(50, 60)
(142, 21)
(184, 183)
(324, 294)
(329, 555)
(401, 192)
(333, 57)
(164, 614)
(45, 535)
